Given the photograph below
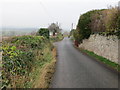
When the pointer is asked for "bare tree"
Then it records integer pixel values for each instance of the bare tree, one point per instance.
(54, 28)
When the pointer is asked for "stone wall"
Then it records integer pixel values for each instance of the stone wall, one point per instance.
(102, 46)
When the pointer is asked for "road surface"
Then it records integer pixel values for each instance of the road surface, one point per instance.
(76, 70)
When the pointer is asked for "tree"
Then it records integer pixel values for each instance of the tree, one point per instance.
(43, 32)
(84, 25)
(54, 28)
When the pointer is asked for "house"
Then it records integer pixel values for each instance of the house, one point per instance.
(53, 29)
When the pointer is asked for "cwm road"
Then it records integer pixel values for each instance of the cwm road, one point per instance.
(76, 70)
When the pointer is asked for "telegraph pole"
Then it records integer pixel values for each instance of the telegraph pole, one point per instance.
(119, 5)
(72, 26)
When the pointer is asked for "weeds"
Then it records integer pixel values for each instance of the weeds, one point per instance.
(23, 59)
(104, 60)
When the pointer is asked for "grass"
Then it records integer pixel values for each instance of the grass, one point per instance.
(42, 74)
(57, 38)
(102, 59)
(41, 62)
(46, 73)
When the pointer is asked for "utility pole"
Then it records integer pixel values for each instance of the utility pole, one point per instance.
(72, 26)
(119, 5)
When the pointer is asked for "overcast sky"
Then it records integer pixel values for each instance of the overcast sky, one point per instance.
(40, 13)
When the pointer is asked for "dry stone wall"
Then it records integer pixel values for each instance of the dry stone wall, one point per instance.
(103, 46)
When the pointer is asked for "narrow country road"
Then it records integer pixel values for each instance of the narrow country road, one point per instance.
(76, 70)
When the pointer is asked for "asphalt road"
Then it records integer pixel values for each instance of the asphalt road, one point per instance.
(76, 70)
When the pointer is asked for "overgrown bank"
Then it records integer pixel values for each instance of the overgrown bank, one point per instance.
(98, 31)
(102, 59)
(104, 22)
(27, 62)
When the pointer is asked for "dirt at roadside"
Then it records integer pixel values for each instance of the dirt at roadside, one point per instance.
(46, 73)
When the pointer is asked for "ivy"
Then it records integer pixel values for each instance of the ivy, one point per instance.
(18, 57)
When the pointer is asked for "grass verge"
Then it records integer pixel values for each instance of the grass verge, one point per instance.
(46, 73)
(41, 75)
(103, 60)
(27, 62)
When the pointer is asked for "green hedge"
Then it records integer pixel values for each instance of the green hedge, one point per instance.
(98, 21)
(83, 27)
(19, 57)
(43, 32)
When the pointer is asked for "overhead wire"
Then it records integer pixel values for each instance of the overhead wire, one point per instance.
(46, 11)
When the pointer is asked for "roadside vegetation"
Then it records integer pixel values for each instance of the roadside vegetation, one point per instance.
(59, 37)
(55, 31)
(43, 32)
(104, 22)
(102, 59)
(28, 61)
(23, 59)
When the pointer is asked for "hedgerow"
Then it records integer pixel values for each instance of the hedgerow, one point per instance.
(83, 27)
(20, 56)
(43, 32)
(105, 21)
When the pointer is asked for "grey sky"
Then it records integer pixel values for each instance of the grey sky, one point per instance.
(40, 13)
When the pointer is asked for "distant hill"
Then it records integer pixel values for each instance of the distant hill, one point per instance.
(16, 31)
